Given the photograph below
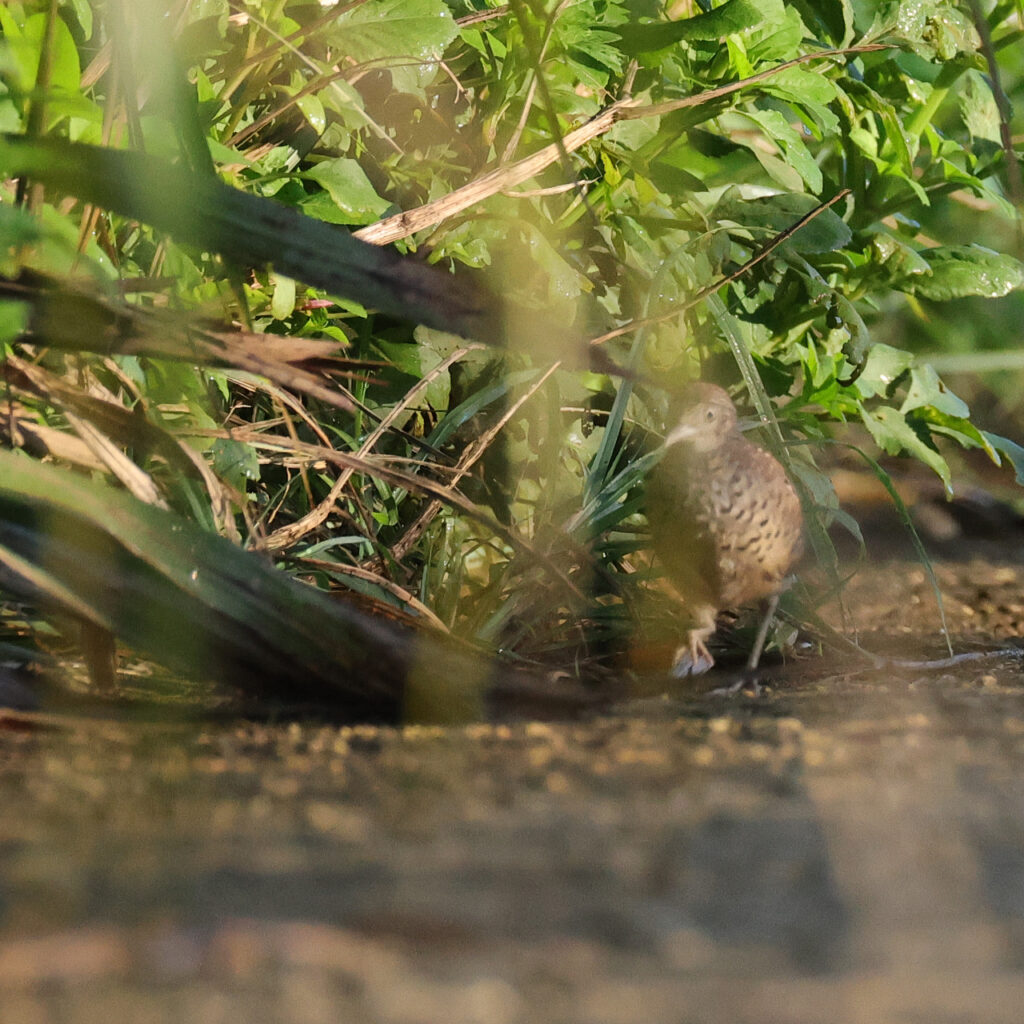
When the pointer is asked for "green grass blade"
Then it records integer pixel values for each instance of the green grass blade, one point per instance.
(250, 230)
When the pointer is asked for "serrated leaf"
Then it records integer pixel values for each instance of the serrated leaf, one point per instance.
(777, 40)
(893, 434)
(978, 108)
(807, 90)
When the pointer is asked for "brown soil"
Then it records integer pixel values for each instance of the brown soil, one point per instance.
(849, 846)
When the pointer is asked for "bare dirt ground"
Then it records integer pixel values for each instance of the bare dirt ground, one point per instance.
(849, 846)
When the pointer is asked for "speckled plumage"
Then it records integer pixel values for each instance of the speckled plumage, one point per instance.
(725, 519)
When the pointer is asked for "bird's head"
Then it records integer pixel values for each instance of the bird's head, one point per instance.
(706, 418)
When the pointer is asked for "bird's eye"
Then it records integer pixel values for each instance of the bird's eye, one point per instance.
(709, 415)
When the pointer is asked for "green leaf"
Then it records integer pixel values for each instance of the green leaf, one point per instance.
(900, 259)
(731, 17)
(825, 233)
(960, 429)
(978, 108)
(831, 21)
(349, 187)
(883, 367)
(283, 302)
(420, 29)
(927, 389)
(313, 110)
(234, 462)
(893, 434)
(960, 270)
(24, 43)
(14, 318)
(1013, 451)
(807, 90)
(777, 39)
(779, 130)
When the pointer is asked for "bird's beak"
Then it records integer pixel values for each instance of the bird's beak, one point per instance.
(682, 432)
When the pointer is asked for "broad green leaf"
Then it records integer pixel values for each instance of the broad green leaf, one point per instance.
(348, 186)
(959, 270)
(732, 16)
(777, 39)
(283, 302)
(828, 21)
(14, 318)
(23, 44)
(883, 367)
(807, 90)
(418, 29)
(978, 108)
(234, 462)
(83, 12)
(825, 233)
(313, 110)
(900, 258)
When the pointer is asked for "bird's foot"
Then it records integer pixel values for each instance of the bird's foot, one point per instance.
(742, 685)
(692, 658)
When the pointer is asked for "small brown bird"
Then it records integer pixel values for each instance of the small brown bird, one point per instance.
(725, 520)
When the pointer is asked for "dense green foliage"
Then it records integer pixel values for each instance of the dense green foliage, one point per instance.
(152, 335)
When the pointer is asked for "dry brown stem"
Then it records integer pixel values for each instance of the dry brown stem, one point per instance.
(391, 229)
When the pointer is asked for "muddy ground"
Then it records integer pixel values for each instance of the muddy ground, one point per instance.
(849, 846)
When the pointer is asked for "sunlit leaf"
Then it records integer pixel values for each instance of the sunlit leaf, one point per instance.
(732, 16)
(348, 186)
(959, 270)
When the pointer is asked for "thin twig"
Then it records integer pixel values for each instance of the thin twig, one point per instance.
(481, 16)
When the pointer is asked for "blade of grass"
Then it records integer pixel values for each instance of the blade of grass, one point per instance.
(251, 230)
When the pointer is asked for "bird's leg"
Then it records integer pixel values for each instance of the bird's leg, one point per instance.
(762, 634)
(747, 681)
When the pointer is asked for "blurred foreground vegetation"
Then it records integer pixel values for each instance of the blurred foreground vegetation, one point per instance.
(209, 299)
